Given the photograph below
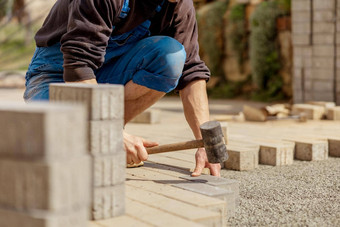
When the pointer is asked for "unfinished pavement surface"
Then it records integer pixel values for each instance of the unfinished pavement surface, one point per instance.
(305, 193)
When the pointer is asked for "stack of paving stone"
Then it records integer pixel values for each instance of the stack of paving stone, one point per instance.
(315, 42)
(44, 166)
(105, 104)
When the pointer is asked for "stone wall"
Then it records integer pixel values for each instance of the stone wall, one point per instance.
(316, 37)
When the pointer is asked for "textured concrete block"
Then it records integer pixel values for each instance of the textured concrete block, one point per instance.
(302, 16)
(323, 62)
(323, 39)
(151, 116)
(334, 147)
(103, 101)
(301, 39)
(323, 51)
(12, 218)
(333, 113)
(322, 74)
(276, 154)
(42, 130)
(301, 5)
(227, 195)
(108, 202)
(303, 51)
(324, 16)
(228, 184)
(106, 137)
(323, 28)
(310, 150)
(109, 170)
(55, 186)
(242, 158)
(323, 5)
(301, 28)
(312, 112)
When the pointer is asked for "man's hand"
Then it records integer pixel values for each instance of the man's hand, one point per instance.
(202, 162)
(135, 148)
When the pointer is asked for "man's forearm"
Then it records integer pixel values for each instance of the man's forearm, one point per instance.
(195, 105)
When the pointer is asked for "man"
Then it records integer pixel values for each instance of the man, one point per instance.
(150, 46)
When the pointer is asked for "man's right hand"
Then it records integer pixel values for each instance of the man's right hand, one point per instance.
(135, 148)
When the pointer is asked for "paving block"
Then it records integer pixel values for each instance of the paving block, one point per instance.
(301, 28)
(323, 62)
(226, 195)
(12, 218)
(242, 158)
(301, 16)
(55, 186)
(323, 5)
(276, 155)
(334, 147)
(106, 137)
(151, 116)
(109, 170)
(108, 202)
(301, 5)
(312, 112)
(324, 16)
(310, 150)
(178, 208)
(323, 27)
(125, 220)
(301, 39)
(103, 101)
(228, 184)
(154, 216)
(42, 130)
(333, 113)
(323, 39)
(323, 50)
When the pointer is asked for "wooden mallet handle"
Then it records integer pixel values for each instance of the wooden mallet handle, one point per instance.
(176, 146)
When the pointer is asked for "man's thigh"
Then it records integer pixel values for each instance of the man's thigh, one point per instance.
(155, 62)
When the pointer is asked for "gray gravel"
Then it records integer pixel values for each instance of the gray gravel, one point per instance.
(303, 194)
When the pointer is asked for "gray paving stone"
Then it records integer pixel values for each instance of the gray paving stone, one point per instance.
(227, 195)
(103, 101)
(228, 184)
(55, 186)
(12, 218)
(109, 170)
(108, 202)
(42, 131)
(106, 137)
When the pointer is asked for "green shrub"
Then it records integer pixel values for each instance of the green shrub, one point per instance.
(264, 50)
(210, 28)
(237, 33)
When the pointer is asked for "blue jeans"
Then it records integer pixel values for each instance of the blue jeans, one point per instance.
(155, 62)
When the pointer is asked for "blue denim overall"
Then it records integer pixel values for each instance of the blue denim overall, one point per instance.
(155, 62)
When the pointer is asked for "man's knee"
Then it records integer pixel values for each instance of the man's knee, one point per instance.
(171, 56)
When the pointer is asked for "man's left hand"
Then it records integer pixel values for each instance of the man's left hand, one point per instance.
(202, 162)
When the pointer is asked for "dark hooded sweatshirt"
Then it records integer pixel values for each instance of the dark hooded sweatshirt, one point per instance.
(83, 28)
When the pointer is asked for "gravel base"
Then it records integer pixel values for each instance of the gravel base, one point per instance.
(302, 194)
